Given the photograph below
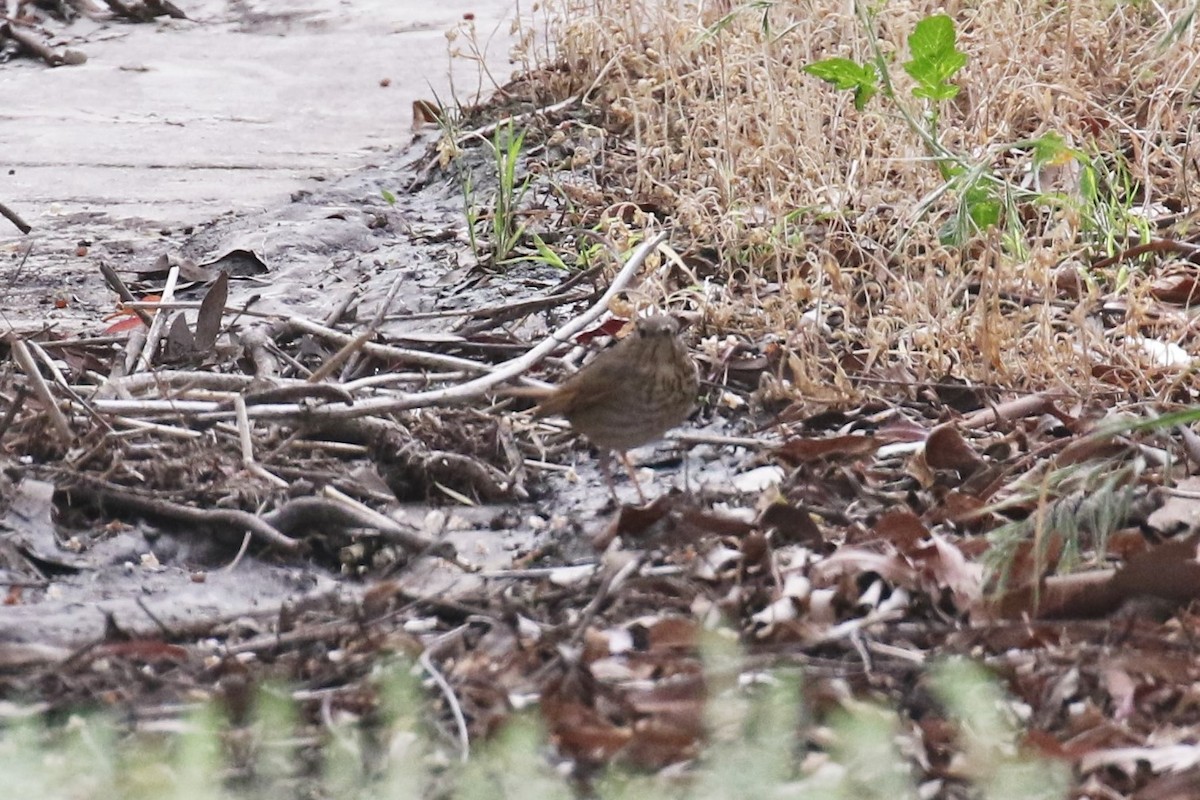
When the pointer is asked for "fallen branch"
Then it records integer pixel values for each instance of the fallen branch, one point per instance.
(146, 360)
(15, 219)
(229, 518)
(338, 510)
(32, 45)
(462, 392)
(40, 388)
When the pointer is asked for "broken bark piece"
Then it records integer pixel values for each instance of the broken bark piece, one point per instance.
(15, 219)
(166, 8)
(145, 11)
(35, 47)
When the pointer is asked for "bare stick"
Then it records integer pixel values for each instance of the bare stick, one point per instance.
(156, 328)
(303, 512)
(40, 388)
(13, 408)
(32, 45)
(376, 321)
(460, 721)
(385, 351)
(243, 427)
(117, 285)
(219, 517)
(479, 386)
(14, 218)
(181, 378)
(343, 355)
(191, 305)
(162, 407)
(169, 431)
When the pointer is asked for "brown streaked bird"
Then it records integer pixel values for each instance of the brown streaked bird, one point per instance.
(630, 394)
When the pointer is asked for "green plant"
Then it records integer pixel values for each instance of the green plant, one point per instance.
(935, 60)
(472, 212)
(989, 737)
(1109, 192)
(502, 213)
(507, 231)
(759, 737)
(585, 255)
(1106, 187)
(546, 255)
(1077, 509)
(984, 200)
(449, 151)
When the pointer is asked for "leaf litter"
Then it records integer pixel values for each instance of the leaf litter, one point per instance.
(267, 490)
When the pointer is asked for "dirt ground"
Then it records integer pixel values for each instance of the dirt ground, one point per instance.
(318, 469)
(253, 130)
(177, 125)
(259, 142)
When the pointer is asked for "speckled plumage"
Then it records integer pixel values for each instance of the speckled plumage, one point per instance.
(631, 393)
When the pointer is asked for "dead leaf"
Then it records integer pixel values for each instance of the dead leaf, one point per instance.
(1169, 571)
(804, 450)
(425, 112)
(1179, 511)
(1083, 595)
(633, 521)
(1179, 289)
(901, 528)
(238, 262)
(947, 568)
(212, 309)
(946, 449)
(180, 343)
(792, 525)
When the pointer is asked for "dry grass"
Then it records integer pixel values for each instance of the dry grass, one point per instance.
(816, 207)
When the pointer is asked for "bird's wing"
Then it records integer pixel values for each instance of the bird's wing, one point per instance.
(595, 384)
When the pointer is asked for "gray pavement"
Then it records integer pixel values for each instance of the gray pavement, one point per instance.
(175, 122)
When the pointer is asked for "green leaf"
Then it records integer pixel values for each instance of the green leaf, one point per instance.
(846, 74)
(548, 256)
(1089, 185)
(841, 72)
(388, 197)
(935, 58)
(1051, 149)
(983, 206)
(932, 38)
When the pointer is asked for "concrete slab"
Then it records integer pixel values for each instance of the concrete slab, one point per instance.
(176, 122)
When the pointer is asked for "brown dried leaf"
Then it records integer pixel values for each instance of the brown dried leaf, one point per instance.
(425, 112)
(902, 528)
(1180, 510)
(792, 525)
(212, 309)
(633, 521)
(1170, 571)
(945, 567)
(804, 450)
(1180, 289)
(1084, 595)
(946, 449)
(670, 633)
(853, 561)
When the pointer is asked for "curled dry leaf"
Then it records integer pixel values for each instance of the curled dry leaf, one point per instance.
(946, 449)
(805, 450)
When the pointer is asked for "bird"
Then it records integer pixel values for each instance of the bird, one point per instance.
(630, 394)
